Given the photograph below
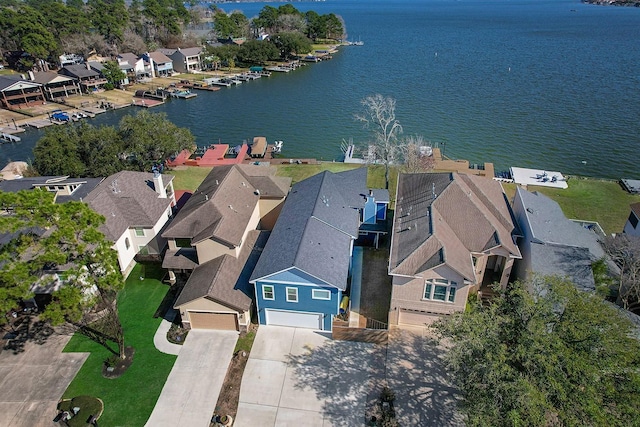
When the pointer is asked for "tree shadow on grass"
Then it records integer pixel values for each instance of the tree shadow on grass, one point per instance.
(337, 372)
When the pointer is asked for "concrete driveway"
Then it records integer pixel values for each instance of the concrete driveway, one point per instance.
(33, 380)
(299, 377)
(189, 396)
(415, 372)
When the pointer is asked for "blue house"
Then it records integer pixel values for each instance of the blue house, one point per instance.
(305, 266)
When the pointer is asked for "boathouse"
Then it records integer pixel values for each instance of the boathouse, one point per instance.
(259, 147)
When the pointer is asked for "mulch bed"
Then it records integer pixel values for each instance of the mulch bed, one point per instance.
(121, 366)
(230, 392)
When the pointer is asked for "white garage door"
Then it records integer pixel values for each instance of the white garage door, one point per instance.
(291, 318)
(420, 318)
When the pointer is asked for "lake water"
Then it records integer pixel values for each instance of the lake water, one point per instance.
(531, 83)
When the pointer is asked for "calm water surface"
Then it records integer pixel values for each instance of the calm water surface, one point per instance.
(545, 84)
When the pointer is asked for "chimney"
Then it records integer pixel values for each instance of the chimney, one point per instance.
(153, 71)
(31, 75)
(158, 185)
(88, 66)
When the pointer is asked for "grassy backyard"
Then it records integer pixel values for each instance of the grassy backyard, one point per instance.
(188, 177)
(590, 199)
(129, 399)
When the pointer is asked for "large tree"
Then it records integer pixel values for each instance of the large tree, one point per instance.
(545, 354)
(624, 250)
(137, 144)
(42, 236)
(379, 116)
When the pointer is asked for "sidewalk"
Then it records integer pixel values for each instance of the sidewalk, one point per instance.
(160, 338)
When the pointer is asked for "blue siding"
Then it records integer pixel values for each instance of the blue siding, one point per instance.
(305, 301)
(292, 275)
(381, 211)
(369, 212)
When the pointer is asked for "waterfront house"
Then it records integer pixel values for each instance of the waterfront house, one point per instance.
(89, 79)
(631, 226)
(161, 64)
(553, 244)
(16, 92)
(214, 242)
(185, 60)
(134, 66)
(452, 234)
(304, 269)
(56, 86)
(136, 206)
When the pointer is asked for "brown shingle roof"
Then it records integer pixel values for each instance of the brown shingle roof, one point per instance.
(222, 205)
(159, 57)
(226, 279)
(635, 208)
(128, 199)
(449, 216)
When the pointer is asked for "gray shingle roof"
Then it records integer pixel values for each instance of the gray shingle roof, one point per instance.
(226, 279)
(8, 81)
(128, 199)
(564, 261)
(549, 225)
(79, 71)
(222, 205)
(29, 183)
(315, 228)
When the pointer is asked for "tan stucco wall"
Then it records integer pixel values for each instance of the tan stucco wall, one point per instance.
(408, 293)
(269, 212)
(210, 249)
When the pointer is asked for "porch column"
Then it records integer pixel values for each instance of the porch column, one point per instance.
(506, 272)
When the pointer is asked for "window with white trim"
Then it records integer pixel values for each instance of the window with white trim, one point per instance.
(321, 294)
(292, 294)
(267, 292)
(139, 232)
(440, 290)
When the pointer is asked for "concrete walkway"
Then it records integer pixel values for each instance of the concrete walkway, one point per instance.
(160, 338)
(190, 394)
(300, 377)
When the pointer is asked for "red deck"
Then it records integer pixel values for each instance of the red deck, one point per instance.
(180, 159)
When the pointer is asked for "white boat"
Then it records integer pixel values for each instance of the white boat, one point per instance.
(279, 69)
(277, 147)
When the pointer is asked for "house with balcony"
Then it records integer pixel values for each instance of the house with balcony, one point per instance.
(215, 241)
(453, 235)
(161, 64)
(89, 79)
(17, 93)
(136, 206)
(185, 60)
(56, 86)
(305, 268)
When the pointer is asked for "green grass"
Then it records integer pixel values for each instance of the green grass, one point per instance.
(245, 342)
(189, 177)
(590, 200)
(129, 399)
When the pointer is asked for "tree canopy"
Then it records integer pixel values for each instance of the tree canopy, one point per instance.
(42, 237)
(545, 354)
(138, 143)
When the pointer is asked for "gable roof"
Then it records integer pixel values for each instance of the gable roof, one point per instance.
(222, 205)
(445, 218)
(190, 51)
(635, 208)
(12, 82)
(159, 57)
(549, 225)
(564, 261)
(226, 279)
(128, 199)
(46, 77)
(315, 228)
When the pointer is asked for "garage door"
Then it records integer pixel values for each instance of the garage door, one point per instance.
(420, 318)
(204, 320)
(291, 318)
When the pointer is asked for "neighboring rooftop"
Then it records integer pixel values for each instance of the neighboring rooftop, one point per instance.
(444, 217)
(226, 279)
(128, 199)
(222, 205)
(316, 226)
(81, 186)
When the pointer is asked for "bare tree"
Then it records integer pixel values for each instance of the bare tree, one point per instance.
(417, 154)
(624, 250)
(132, 42)
(379, 116)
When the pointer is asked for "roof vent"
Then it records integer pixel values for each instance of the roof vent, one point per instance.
(530, 210)
(206, 197)
(257, 192)
(217, 183)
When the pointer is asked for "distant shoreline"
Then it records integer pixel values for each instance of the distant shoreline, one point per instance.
(627, 3)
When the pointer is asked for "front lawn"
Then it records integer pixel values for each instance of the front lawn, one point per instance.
(129, 399)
